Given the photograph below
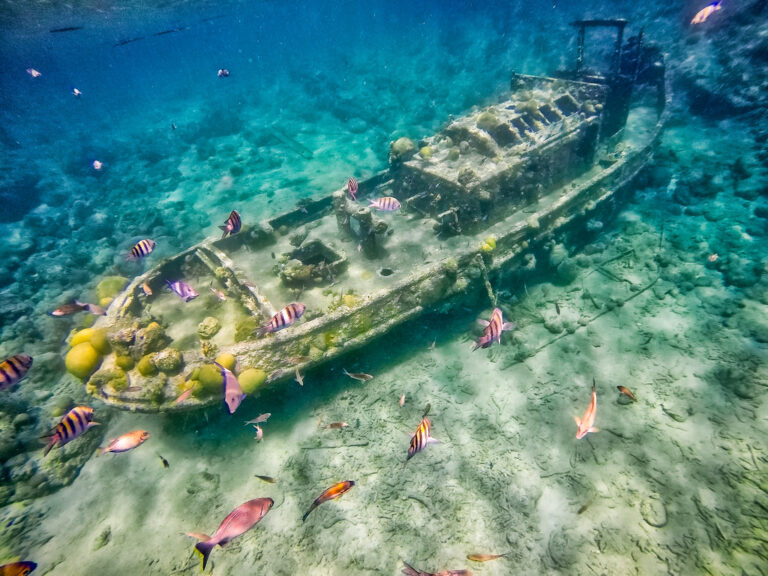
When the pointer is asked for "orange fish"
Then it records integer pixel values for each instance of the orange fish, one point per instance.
(627, 392)
(184, 395)
(485, 557)
(146, 289)
(126, 442)
(587, 422)
(237, 522)
(336, 425)
(17, 568)
(335, 491)
(411, 571)
(706, 12)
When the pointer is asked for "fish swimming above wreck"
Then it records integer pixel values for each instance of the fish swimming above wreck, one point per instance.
(451, 214)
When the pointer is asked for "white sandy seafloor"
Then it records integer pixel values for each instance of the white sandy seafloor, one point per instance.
(675, 483)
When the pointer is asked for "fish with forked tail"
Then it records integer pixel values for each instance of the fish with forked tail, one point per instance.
(75, 422)
(283, 319)
(352, 186)
(361, 376)
(332, 493)
(485, 557)
(420, 438)
(627, 392)
(493, 330)
(233, 393)
(385, 204)
(141, 249)
(13, 370)
(237, 522)
(126, 442)
(232, 224)
(182, 290)
(587, 422)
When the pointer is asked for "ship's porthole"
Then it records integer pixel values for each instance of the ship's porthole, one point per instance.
(386, 272)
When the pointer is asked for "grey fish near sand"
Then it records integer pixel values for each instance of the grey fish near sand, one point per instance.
(237, 522)
(361, 376)
(259, 419)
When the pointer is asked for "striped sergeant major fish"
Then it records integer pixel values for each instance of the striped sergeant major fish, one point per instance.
(332, 493)
(283, 319)
(386, 204)
(420, 438)
(232, 225)
(237, 522)
(493, 330)
(182, 290)
(75, 422)
(141, 249)
(13, 370)
(352, 187)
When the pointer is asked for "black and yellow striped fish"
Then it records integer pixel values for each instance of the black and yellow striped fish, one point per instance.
(141, 249)
(283, 319)
(75, 422)
(13, 369)
(420, 438)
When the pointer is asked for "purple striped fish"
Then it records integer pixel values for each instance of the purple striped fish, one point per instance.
(232, 224)
(352, 187)
(493, 330)
(141, 249)
(283, 319)
(386, 204)
(13, 370)
(420, 438)
(75, 422)
(182, 290)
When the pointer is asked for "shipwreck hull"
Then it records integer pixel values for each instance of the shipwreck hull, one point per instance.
(532, 179)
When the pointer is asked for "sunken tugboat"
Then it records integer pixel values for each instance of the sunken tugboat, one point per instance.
(445, 220)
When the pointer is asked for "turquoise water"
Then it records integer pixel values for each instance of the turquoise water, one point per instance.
(667, 297)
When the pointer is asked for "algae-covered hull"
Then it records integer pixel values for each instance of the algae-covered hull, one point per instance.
(475, 198)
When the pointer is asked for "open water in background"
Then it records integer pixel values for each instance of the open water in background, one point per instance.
(343, 79)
